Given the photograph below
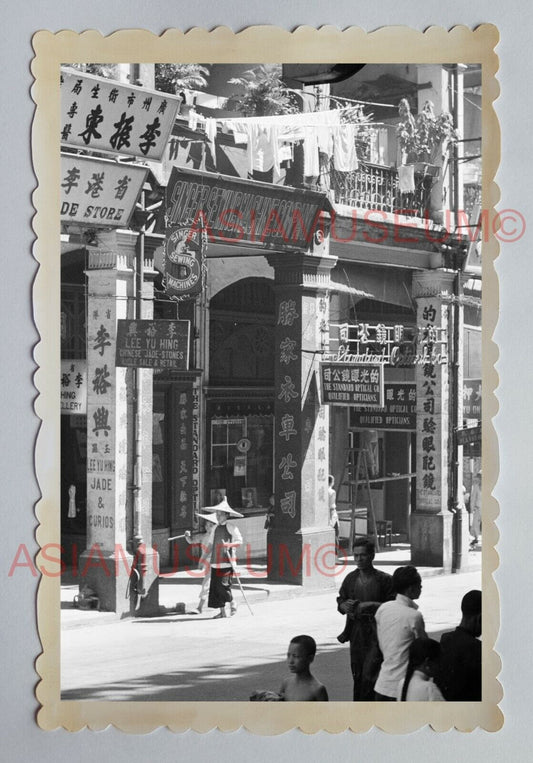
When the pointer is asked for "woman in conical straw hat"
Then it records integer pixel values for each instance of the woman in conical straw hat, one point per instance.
(218, 546)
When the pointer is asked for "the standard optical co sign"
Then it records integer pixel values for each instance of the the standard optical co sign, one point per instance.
(98, 191)
(105, 115)
(358, 385)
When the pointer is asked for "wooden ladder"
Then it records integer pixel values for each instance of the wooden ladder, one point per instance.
(355, 468)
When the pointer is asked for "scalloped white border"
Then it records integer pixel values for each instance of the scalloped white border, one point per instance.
(270, 44)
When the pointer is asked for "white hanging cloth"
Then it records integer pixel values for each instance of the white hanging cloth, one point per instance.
(314, 128)
(406, 178)
(344, 149)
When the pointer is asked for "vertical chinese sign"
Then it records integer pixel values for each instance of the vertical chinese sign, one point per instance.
(106, 404)
(287, 391)
(432, 396)
(181, 518)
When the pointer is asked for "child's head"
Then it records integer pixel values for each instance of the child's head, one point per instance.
(424, 655)
(331, 480)
(301, 653)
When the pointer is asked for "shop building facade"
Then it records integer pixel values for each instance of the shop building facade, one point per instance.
(246, 418)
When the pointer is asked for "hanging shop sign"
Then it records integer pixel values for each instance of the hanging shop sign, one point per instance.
(234, 210)
(99, 192)
(352, 384)
(105, 115)
(398, 412)
(184, 262)
(472, 399)
(468, 435)
(397, 345)
(73, 388)
(160, 344)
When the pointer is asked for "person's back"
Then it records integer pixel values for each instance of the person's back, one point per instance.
(302, 686)
(460, 663)
(399, 623)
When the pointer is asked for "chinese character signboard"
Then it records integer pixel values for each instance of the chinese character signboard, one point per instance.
(73, 386)
(187, 487)
(472, 399)
(399, 411)
(395, 345)
(352, 384)
(153, 344)
(469, 435)
(234, 210)
(99, 192)
(104, 115)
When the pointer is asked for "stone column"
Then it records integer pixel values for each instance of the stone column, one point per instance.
(301, 543)
(431, 523)
(106, 564)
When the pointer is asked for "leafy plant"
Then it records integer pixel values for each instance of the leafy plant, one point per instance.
(264, 93)
(422, 136)
(171, 78)
(109, 71)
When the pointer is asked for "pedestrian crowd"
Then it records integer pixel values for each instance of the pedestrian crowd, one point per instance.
(391, 657)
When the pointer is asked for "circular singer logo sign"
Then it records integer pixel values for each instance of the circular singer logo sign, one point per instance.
(183, 268)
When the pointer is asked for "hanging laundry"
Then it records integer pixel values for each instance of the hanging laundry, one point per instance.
(193, 119)
(344, 149)
(406, 178)
(285, 153)
(211, 134)
(264, 135)
(311, 158)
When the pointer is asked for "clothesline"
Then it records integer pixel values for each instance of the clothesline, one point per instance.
(269, 140)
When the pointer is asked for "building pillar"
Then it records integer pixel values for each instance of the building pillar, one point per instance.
(431, 523)
(301, 544)
(106, 564)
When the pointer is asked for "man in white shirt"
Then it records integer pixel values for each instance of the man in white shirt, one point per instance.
(398, 624)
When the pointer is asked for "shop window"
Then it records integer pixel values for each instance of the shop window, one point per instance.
(241, 461)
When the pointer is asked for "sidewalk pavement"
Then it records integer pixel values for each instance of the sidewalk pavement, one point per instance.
(179, 591)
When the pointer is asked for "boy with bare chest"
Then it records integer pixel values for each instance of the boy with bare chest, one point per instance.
(302, 686)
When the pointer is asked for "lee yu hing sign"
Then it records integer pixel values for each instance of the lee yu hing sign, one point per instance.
(106, 115)
(352, 384)
(99, 192)
(161, 344)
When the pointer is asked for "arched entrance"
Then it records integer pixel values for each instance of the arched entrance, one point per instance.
(239, 395)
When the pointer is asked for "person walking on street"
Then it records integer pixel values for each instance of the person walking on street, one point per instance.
(332, 504)
(399, 623)
(360, 595)
(218, 558)
(475, 510)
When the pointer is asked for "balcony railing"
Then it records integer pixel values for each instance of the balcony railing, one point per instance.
(374, 186)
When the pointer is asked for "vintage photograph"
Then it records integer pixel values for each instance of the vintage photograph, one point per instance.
(271, 382)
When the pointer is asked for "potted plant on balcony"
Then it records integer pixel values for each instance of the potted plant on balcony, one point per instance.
(422, 141)
(423, 138)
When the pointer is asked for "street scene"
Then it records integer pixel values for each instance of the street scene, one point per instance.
(271, 386)
(229, 660)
